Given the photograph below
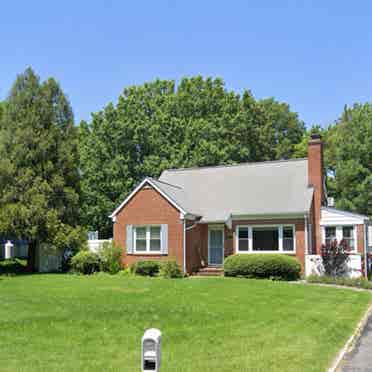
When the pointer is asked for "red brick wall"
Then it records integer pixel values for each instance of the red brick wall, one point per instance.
(194, 254)
(148, 207)
(197, 241)
(315, 179)
(300, 234)
(312, 238)
(360, 238)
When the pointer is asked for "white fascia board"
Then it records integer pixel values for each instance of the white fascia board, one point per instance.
(334, 217)
(130, 196)
(345, 213)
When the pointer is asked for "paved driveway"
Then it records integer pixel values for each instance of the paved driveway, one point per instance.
(360, 358)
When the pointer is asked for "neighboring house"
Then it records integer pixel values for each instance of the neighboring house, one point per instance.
(198, 216)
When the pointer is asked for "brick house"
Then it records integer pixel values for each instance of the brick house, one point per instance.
(198, 216)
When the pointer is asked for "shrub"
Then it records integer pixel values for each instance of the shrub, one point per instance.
(85, 262)
(110, 257)
(125, 272)
(335, 257)
(170, 269)
(13, 266)
(349, 282)
(263, 266)
(146, 268)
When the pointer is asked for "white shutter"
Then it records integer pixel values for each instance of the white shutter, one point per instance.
(129, 239)
(164, 239)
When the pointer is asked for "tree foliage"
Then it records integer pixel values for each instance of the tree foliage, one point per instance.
(39, 180)
(158, 125)
(284, 129)
(349, 159)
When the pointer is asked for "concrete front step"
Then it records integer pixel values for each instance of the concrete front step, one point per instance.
(210, 271)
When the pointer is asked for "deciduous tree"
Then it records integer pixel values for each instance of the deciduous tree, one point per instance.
(283, 129)
(158, 125)
(349, 157)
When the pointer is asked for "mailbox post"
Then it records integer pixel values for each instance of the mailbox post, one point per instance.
(151, 350)
(8, 250)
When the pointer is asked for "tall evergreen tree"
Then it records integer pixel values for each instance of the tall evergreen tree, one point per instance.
(39, 179)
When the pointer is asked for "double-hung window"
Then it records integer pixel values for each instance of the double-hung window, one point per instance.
(147, 239)
(339, 233)
(348, 236)
(243, 238)
(288, 238)
(330, 234)
(266, 238)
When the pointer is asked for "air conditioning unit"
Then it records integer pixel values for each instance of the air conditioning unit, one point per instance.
(330, 202)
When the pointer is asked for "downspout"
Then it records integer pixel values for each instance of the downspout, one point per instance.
(306, 241)
(365, 250)
(306, 236)
(184, 246)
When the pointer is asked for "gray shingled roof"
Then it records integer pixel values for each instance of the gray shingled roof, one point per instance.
(252, 189)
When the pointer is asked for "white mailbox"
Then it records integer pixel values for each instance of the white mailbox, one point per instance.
(151, 350)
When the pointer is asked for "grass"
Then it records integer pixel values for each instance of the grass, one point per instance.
(77, 323)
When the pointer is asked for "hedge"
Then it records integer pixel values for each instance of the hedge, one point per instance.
(278, 266)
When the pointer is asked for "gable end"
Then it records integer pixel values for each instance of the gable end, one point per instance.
(147, 182)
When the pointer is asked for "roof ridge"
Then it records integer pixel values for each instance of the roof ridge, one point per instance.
(165, 183)
(257, 163)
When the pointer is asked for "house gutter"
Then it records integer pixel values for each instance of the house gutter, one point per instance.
(184, 246)
(365, 249)
(306, 236)
(237, 217)
(191, 227)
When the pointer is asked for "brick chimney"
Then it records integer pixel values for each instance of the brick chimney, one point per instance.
(316, 180)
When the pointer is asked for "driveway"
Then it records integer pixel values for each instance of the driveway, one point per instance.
(360, 358)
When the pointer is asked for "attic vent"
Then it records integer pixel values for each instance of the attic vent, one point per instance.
(331, 202)
(147, 187)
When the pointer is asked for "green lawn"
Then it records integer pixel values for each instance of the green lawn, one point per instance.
(76, 323)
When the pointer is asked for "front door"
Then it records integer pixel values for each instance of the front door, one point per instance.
(215, 246)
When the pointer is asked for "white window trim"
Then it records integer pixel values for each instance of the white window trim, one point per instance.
(339, 234)
(147, 252)
(250, 239)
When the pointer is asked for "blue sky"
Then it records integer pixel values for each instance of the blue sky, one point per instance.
(315, 55)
